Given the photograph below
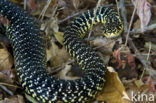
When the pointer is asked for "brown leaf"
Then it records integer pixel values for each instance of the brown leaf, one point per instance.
(143, 11)
(61, 3)
(31, 4)
(114, 91)
(6, 60)
(57, 55)
(149, 81)
(137, 88)
(59, 37)
(76, 3)
(65, 73)
(6, 78)
(7, 81)
(13, 99)
(53, 2)
(117, 59)
(130, 59)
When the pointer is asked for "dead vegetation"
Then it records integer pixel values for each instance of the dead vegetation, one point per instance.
(132, 55)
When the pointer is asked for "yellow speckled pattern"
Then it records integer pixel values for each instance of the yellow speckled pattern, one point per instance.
(30, 56)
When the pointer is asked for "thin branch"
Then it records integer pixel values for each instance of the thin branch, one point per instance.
(148, 28)
(44, 10)
(149, 51)
(118, 7)
(124, 13)
(68, 17)
(25, 3)
(131, 23)
(11, 85)
(98, 4)
(6, 90)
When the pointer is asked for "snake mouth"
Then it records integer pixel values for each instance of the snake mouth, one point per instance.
(110, 35)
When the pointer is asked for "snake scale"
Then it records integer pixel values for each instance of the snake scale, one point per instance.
(30, 54)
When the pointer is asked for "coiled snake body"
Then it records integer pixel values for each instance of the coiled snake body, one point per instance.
(30, 55)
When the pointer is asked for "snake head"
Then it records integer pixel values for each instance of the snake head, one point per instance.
(113, 26)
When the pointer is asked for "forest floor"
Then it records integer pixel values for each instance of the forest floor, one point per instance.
(130, 58)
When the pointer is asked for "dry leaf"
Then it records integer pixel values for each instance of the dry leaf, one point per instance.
(76, 3)
(105, 47)
(20, 99)
(143, 11)
(5, 78)
(153, 46)
(58, 55)
(114, 91)
(53, 2)
(150, 82)
(117, 59)
(6, 60)
(31, 4)
(137, 91)
(59, 37)
(130, 59)
(13, 99)
(61, 3)
(63, 74)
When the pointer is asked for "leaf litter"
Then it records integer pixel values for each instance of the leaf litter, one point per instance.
(128, 72)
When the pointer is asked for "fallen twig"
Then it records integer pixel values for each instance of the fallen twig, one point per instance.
(123, 13)
(68, 17)
(52, 19)
(131, 21)
(98, 4)
(44, 10)
(148, 28)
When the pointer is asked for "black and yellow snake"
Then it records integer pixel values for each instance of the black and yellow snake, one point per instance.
(30, 54)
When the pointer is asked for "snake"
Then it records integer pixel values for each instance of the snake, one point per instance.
(29, 53)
